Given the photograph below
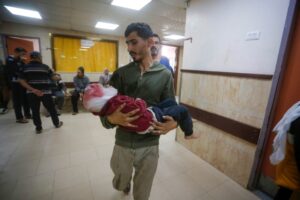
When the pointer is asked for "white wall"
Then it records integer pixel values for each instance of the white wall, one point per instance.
(219, 28)
(43, 34)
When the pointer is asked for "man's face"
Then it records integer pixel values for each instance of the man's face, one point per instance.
(156, 47)
(106, 71)
(137, 46)
(56, 77)
(79, 73)
(20, 55)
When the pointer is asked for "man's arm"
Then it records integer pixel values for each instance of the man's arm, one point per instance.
(28, 87)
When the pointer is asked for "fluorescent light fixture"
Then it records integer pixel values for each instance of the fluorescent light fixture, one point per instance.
(131, 4)
(104, 25)
(24, 12)
(174, 37)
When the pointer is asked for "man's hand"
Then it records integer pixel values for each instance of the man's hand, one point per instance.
(123, 119)
(37, 92)
(80, 96)
(163, 128)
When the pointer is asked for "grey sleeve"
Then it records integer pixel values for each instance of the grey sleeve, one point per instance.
(106, 123)
(169, 91)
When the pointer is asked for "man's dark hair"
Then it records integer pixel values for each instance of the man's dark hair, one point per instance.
(143, 30)
(81, 69)
(20, 50)
(35, 55)
(157, 36)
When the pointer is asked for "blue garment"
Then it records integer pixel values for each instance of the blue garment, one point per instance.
(165, 61)
(178, 112)
(80, 83)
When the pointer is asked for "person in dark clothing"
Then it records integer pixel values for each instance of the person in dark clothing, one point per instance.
(289, 179)
(4, 91)
(37, 79)
(14, 65)
(80, 82)
(59, 92)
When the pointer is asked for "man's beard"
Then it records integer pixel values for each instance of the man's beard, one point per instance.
(154, 51)
(134, 56)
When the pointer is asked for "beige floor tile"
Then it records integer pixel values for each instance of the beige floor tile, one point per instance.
(205, 177)
(19, 170)
(183, 187)
(232, 191)
(6, 189)
(80, 191)
(81, 157)
(104, 152)
(69, 177)
(33, 187)
(53, 163)
(158, 191)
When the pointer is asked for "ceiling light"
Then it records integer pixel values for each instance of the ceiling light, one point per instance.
(131, 4)
(24, 12)
(105, 25)
(174, 37)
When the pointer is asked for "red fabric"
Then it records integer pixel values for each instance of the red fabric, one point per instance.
(91, 91)
(142, 123)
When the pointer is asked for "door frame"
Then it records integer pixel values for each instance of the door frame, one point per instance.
(4, 36)
(281, 66)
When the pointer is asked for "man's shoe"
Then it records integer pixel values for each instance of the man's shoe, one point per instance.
(74, 113)
(22, 121)
(59, 125)
(3, 111)
(38, 130)
(126, 191)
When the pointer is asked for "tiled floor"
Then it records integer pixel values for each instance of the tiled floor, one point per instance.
(73, 163)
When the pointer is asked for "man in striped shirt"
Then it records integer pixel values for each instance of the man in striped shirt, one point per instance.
(36, 77)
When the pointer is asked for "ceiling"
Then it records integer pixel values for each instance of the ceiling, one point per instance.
(164, 16)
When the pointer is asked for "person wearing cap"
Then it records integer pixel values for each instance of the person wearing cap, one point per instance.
(80, 82)
(14, 64)
(36, 77)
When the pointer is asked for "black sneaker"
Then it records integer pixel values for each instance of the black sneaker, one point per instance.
(74, 113)
(22, 121)
(4, 111)
(38, 130)
(59, 125)
(126, 191)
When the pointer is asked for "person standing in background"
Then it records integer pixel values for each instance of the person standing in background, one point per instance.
(14, 65)
(156, 53)
(80, 82)
(59, 92)
(36, 78)
(4, 90)
(104, 78)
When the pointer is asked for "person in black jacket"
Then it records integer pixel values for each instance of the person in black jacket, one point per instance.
(4, 91)
(36, 77)
(14, 65)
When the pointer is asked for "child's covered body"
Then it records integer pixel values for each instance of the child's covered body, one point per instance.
(105, 101)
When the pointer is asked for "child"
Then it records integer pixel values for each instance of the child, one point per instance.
(104, 101)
